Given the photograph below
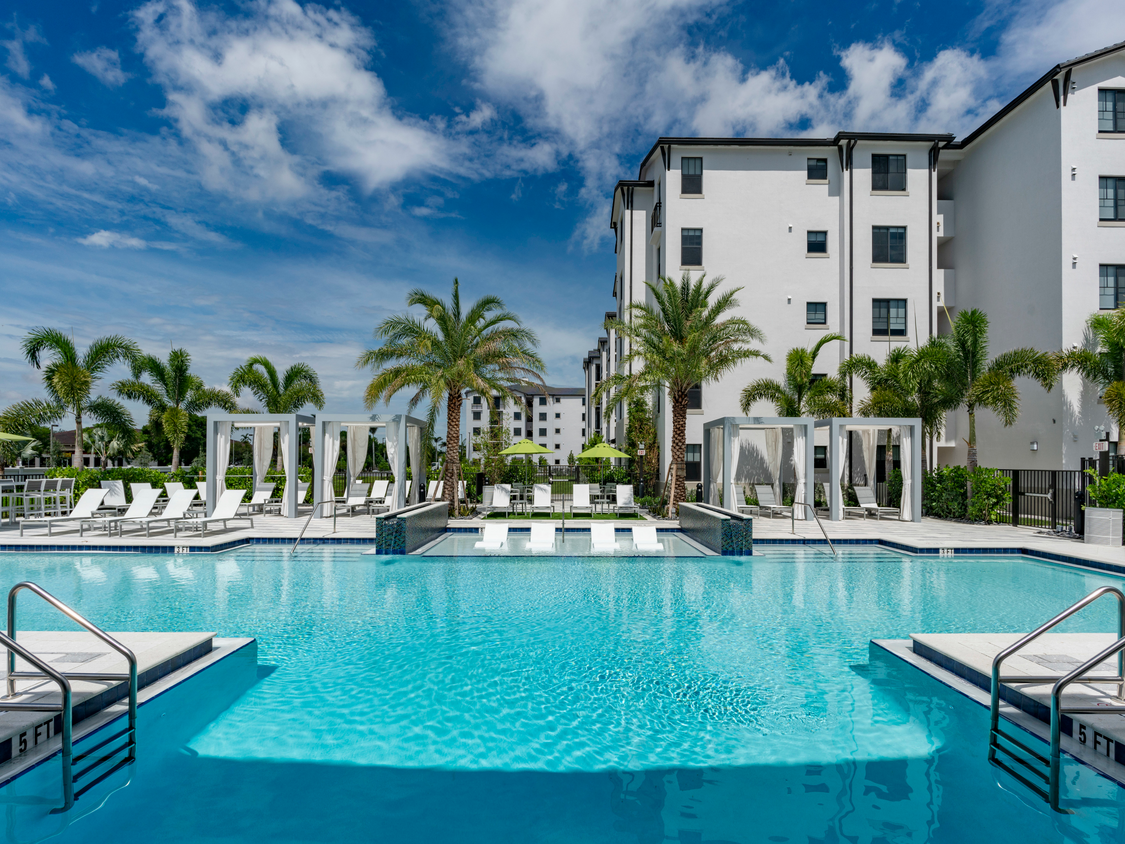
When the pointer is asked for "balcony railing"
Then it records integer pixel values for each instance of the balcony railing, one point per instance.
(656, 217)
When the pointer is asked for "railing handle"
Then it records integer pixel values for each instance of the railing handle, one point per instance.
(816, 518)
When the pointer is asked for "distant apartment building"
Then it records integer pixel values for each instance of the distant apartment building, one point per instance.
(554, 418)
(882, 237)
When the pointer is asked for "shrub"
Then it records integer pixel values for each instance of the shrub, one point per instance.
(894, 489)
(1108, 491)
(945, 493)
(238, 477)
(991, 493)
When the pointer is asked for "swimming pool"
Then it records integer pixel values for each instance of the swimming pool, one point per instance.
(563, 699)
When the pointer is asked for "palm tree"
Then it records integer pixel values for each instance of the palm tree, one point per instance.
(1103, 365)
(70, 377)
(973, 381)
(104, 443)
(447, 351)
(801, 394)
(287, 393)
(680, 341)
(172, 394)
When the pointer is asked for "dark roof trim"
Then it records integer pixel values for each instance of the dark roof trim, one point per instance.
(1031, 89)
(919, 137)
(627, 183)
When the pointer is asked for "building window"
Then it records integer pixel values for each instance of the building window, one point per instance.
(817, 376)
(818, 170)
(1111, 111)
(542, 417)
(476, 399)
(691, 247)
(557, 461)
(1112, 287)
(1111, 198)
(817, 242)
(557, 446)
(691, 175)
(693, 463)
(583, 433)
(542, 401)
(816, 313)
(583, 404)
(888, 244)
(888, 172)
(517, 416)
(558, 416)
(583, 417)
(558, 400)
(597, 372)
(476, 432)
(888, 317)
(820, 457)
(497, 402)
(476, 416)
(542, 432)
(517, 432)
(695, 397)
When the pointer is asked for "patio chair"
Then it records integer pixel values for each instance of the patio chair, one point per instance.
(494, 538)
(542, 499)
(275, 505)
(741, 506)
(866, 497)
(51, 497)
(176, 509)
(33, 497)
(64, 495)
(827, 509)
(486, 495)
(226, 510)
(603, 537)
(767, 501)
(644, 538)
(580, 502)
(625, 503)
(89, 502)
(115, 496)
(542, 537)
(357, 498)
(262, 494)
(502, 498)
(144, 501)
(378, 494)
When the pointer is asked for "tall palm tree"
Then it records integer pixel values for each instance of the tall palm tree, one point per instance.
(800, 394)
(1103, 365)
(70, 377)
(682, 340)
(445, 352)
(104, 442)
(286, 393)
(974, 381)
(172, 394)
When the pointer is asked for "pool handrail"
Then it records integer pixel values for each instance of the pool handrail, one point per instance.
(816, 518)
(316, 507)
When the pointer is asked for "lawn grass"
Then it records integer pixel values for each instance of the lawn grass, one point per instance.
(569, 517)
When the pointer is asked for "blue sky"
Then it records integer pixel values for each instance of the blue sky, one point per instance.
(272, 178)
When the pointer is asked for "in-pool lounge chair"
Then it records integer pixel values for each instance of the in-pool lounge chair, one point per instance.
(580, 500)
(541, 501)
(644, 538)
(84, 510)
(625, 503)
(542, 537)
(176, 509)
(866, 497)
(144, 501)
(226, 510)
(767, 502)
(494, 538)
(603, 537)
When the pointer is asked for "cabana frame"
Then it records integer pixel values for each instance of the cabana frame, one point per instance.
(838, 454)
(287, 424)
(730, 426)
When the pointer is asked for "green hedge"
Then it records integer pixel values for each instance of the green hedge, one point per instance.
(945, 493)
(239, 477)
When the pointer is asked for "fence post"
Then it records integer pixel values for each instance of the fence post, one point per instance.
(1015, 498)
(1054, 500)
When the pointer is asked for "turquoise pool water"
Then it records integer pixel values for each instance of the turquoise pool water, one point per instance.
(561, 699)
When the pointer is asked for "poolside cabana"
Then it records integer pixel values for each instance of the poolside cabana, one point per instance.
(219, 427)
(910, 460)
(402, 433)
(723, 459)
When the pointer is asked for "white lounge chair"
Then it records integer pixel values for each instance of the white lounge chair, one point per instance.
(767, 501)
(226, 510)
(172, 487)
(262, 494)
(406, 491)
(502, 498)
(580, 501)
(144, 500)
(176, 509)
(357, 498)
(378, 494)
(644, 538)
(439, 491)
(625, 503)
(866, 497)
(89, 502)
(541, 500)
(542, 537)
(135, 488)
(603, 537)
(431, 490)
(115, 495)
(494, 538)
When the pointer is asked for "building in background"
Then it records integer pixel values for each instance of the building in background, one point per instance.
(554, 418)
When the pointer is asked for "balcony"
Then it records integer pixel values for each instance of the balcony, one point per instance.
(656, 224)
(945, 220)
(945, 284)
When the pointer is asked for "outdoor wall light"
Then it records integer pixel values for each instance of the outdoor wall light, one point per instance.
(1035, 445)
(790, 227)
(788, 300)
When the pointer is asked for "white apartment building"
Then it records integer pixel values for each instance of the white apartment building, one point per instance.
(555, 419)
(874, 235)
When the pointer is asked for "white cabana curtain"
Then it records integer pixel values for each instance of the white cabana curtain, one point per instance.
(869, 440)
(842, 470)
(263, 451)
(331, 453)
(414, 441)
(906, 461)
(734, 495)
(773, 458)
(283, 433)
(800, 443)
(222, 457)
(716, 469)
(357, 450)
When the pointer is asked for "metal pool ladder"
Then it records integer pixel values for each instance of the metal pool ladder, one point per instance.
(1040, 774)
(69, 775)
(793, 521)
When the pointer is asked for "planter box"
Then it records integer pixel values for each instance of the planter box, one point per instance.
(1103, 525)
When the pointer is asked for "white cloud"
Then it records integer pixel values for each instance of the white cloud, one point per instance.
(46, 84)
(112, 240)
(18, 62)
(104, 64)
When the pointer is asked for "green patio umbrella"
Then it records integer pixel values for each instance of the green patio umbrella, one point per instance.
(526, 448)
(15, 437)
(600, 451)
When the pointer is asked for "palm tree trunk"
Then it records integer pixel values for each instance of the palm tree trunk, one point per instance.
(679, 446)
(972, 457)
(452, 448)
(175, 457)
(76, 458)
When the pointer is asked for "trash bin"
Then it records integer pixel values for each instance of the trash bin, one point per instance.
(1079, 513)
